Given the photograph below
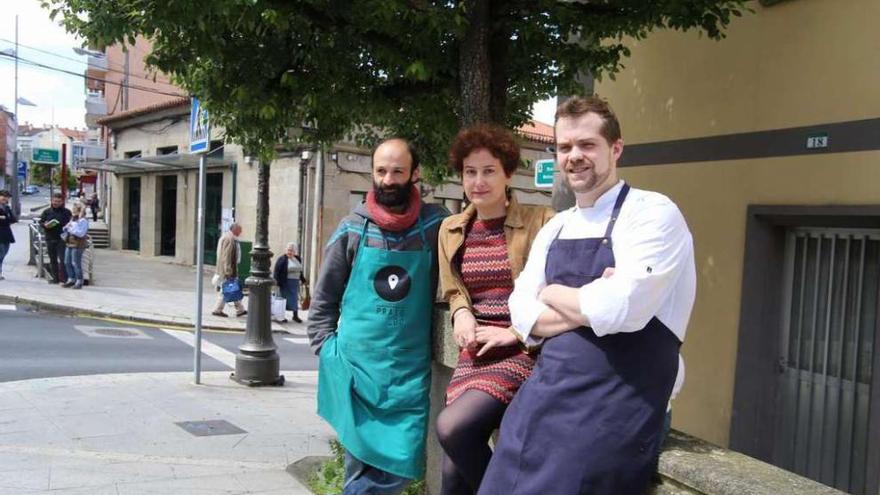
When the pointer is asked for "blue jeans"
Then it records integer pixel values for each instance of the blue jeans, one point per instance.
(4, 248)
(363, 479)
(73, 263)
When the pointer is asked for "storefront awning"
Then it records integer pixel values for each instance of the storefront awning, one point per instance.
(152, 164)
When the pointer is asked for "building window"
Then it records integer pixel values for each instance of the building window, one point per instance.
(166, 150)
(216, 149)
(132, 154)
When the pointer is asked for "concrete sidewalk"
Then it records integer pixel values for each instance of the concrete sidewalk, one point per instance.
(126, 287)
(119, 435)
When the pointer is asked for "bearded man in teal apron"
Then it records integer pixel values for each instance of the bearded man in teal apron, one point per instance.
(370, 324)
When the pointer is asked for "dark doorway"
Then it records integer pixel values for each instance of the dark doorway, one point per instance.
(168, 228)
(133, 232)
(213, 215)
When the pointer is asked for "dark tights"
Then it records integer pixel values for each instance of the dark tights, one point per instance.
(464, 428)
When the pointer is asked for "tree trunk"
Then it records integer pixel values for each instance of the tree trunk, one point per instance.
(475, 65)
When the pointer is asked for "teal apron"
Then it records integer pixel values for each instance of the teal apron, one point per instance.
(375, 372)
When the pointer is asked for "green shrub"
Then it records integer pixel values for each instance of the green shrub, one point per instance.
(327, 480)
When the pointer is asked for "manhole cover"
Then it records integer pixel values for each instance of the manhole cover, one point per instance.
(210, 428)
(112, 332)
(116, 332)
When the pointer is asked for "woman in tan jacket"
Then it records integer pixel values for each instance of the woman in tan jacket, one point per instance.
(481, 252)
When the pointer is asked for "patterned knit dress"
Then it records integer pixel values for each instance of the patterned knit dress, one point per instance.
(485, 271)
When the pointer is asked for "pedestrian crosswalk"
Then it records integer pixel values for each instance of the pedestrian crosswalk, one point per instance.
(7, 307)
(208, 348)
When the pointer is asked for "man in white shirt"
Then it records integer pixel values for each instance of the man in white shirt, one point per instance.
(589, 418)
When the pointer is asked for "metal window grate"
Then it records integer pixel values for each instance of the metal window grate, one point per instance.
(831, 296)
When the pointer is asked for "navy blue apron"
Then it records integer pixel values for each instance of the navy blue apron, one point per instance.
(588, 419)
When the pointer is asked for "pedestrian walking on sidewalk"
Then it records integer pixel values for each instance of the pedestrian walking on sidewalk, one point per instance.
(94, 203)
(53, 220)
(7, 218)
(288, 274)
(228, 256)
(77, 238)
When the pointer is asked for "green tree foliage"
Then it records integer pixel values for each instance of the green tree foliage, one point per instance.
(414, 68)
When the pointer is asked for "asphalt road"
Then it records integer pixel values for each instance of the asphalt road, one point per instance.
(37, 344)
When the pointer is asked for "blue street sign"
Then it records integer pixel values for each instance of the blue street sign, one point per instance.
(22, 170)
(199, 130)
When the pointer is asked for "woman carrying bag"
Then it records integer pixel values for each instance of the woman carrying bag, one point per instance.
(288, 274)
(76, 232)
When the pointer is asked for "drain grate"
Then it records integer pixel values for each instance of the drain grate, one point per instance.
(210, 428)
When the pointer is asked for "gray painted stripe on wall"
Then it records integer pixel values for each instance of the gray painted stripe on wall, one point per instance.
(856, 135)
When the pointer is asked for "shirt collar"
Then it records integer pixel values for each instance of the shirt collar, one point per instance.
(605, 201)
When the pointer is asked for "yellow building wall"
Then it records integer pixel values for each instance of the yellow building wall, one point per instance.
(801, 62)
(797, 63)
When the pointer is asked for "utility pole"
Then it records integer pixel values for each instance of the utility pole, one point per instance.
(257, 361)
(16, 199)
(64, 171)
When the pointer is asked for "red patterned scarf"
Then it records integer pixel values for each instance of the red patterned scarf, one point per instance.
(395, 222)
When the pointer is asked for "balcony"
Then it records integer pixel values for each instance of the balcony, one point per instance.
(96, 105)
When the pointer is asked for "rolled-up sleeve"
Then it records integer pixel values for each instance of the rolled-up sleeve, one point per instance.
(525, 308)
(650, 256)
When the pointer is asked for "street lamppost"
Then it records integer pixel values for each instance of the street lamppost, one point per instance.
(16, 199)
(257, 361)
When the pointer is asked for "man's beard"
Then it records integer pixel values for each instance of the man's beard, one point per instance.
(393, 196)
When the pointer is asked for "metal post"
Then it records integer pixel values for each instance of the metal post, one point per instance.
(200, 261)
(257, 361)
(16, 198)
(64, 171)
(316, 214)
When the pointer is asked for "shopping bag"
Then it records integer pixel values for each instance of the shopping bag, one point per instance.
(279, 308)
(232, 290)
(305, 296)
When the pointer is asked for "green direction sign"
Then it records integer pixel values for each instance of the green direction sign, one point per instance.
(544, 170)
(46, 155)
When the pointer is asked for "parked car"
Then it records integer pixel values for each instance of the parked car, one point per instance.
(31, 189)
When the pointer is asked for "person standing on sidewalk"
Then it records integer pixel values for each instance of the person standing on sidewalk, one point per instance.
(53, 220)
(94, 204)
(75, 244)
(228, 256)
(370, 323)
(288, 274)
(7, 218)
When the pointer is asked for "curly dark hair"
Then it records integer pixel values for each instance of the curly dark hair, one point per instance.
(496, 140)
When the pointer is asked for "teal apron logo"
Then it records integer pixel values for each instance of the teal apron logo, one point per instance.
(392, 283)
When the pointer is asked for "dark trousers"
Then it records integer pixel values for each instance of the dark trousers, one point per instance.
(55, 248)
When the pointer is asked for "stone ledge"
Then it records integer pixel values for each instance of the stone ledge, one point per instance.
(691, 465)
(688, 465)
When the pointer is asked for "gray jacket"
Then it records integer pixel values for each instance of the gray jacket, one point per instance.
(339, 255)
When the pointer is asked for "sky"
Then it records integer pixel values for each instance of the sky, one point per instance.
(60, 98)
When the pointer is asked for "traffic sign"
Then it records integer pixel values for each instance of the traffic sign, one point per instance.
(544, 170)
(22, 170)
(47, 156)
(199, 129)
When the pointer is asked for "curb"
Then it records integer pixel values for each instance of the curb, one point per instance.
(73, 311)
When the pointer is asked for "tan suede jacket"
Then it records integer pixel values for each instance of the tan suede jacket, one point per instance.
(520, 228)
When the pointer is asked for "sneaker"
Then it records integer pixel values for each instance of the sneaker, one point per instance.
(221, 314)
(2, 277)
(296, 319)
(241, 313)
(78, 284)
(68, 284)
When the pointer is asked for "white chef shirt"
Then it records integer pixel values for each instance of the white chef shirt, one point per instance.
(654, 266)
